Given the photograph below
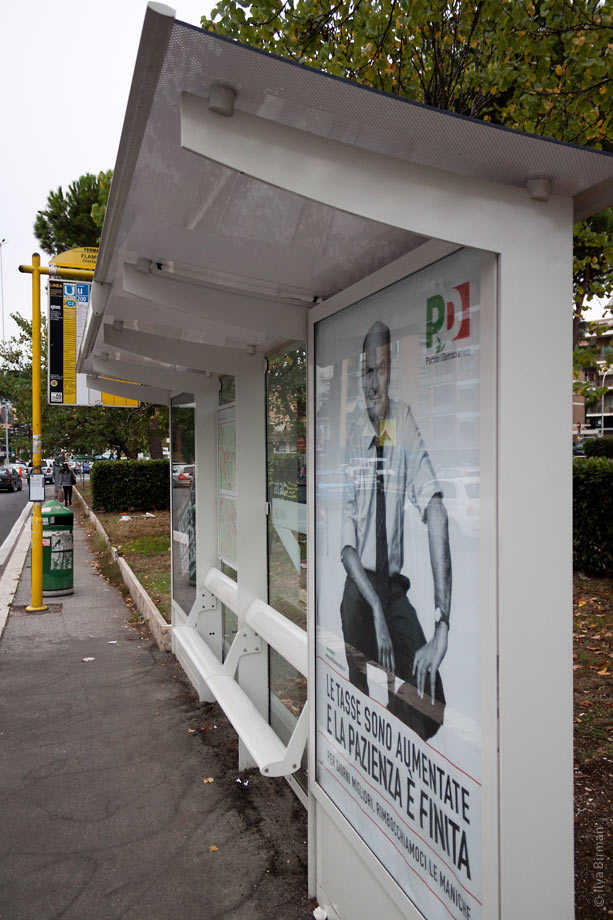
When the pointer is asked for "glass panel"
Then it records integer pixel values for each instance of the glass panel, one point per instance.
(183, 457)
(227, 393)
(226, 485)
(286, 459)
(230, 622)
(226, 498)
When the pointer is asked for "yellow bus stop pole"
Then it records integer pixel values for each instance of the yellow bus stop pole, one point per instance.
(37, 516)
(36, 271)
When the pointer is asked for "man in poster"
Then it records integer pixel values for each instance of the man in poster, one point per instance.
(389, 465)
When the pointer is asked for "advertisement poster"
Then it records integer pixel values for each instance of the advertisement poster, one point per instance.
(397, 548)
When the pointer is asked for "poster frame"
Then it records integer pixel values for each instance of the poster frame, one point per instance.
(424, 256)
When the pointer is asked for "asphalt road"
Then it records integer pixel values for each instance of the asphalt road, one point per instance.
(11, 504)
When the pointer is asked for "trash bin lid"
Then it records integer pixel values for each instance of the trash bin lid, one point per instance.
(53, 510)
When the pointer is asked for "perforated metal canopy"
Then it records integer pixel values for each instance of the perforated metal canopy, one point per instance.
(175, 214)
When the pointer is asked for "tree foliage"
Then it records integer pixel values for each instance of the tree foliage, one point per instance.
(544, 67)
(286, 388)
(73, 218)
(592, 262)
(99, 207)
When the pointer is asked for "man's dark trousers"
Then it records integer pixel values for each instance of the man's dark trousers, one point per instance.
(407, 637)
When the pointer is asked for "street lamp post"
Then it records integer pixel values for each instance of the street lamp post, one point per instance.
(6, 405)
(2, 242)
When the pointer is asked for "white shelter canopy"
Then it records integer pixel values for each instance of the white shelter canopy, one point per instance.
(209, 239)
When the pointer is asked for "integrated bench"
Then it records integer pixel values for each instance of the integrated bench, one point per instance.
(203, 666)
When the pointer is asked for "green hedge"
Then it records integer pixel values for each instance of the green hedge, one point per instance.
(599, 447)
(593, 515)
(130, 485)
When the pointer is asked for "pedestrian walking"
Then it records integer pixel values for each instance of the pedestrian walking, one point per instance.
(68, 480)
(57, 479)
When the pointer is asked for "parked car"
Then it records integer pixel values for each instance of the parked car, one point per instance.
(18, 474)
(579, 446)
(329, 486)
(46, 468)
(10, 480)
(182, 475)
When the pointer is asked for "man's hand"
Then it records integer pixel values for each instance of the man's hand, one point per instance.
(429, 657)
(385, 649)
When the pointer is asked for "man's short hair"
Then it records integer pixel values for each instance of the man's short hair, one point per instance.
(377, 336)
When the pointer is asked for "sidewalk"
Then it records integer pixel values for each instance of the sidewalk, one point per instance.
(104, 810)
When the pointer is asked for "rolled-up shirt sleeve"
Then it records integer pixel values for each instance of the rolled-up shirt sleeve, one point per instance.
(422, 483)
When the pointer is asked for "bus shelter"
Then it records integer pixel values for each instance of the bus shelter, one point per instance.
(354, 307)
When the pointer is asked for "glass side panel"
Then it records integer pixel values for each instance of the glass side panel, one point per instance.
(286, 463)
(228, 616)
(226, 485)
(226, 499)
(183, 458)
(227, 389)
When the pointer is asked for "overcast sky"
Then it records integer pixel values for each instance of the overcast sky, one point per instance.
(65, 73)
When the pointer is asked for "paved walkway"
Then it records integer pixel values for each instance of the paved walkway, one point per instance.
(104, 812)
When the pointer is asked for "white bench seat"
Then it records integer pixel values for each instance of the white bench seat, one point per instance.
(205, 671)
(195, 657)
(266, 748)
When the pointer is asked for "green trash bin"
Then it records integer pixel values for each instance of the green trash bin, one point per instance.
(58, 571)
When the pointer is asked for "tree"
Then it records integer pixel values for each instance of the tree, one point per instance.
(99, 207)
(592, 263)
(542, 67)
(286, 386)
(75, 218)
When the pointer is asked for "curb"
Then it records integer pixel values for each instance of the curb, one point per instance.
(160, 629)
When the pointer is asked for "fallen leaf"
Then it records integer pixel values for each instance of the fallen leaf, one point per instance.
(604, 672)
(213, 849)
(208, 779)
(581, 604)
(191, 731)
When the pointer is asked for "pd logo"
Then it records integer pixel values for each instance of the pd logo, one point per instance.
(448, 320)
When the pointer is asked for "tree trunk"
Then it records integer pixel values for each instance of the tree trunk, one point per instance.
(155, 447)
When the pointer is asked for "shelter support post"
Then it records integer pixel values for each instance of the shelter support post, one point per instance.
(251, 532)
(535, 569)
